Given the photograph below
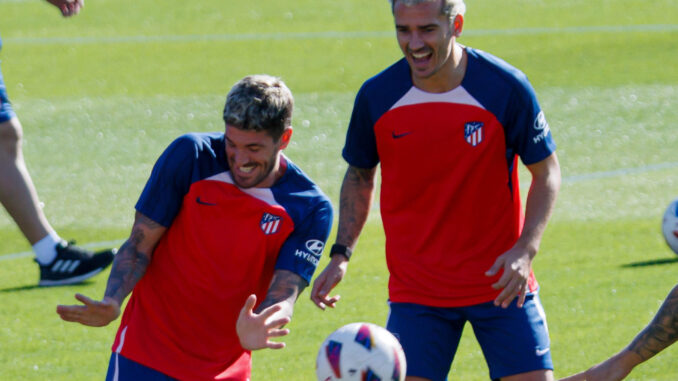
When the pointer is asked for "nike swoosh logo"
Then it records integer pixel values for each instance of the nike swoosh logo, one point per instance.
(398, 136)
(541, 352)
(199, 201)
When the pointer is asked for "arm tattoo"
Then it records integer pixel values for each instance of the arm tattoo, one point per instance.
(285, 285)
(130, 263)
(661, 332)
(355, 203)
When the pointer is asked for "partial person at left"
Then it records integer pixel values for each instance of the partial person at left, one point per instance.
(60, 262)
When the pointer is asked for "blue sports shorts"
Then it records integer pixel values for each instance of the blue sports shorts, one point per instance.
(123, 369)
(6, 111)
(514, 340)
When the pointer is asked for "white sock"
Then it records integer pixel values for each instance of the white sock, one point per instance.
(45, 249)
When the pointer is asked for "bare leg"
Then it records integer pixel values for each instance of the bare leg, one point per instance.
(17, 192)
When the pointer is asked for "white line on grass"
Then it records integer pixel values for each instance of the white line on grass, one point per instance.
(91, 245)
(327, 35)
(618, 172)
(566, 180)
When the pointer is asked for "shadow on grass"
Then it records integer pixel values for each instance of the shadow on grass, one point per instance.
(654, 262)
(35, 286)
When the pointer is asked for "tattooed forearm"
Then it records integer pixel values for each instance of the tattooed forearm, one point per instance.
(661, 332)
(128, 267)
(285, 285)
(355, 202)
(132, 259)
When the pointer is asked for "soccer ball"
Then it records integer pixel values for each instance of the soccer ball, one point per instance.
(360, 352)
(670, 226)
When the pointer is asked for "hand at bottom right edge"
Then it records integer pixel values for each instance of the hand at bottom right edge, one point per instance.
(615, 368)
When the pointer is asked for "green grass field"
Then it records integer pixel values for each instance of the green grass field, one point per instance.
(100, 96)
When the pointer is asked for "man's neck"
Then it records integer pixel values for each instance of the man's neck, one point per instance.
(281, 168)
(450, 77)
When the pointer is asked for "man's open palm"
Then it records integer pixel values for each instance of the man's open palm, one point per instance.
(254, 330)
(92, 313)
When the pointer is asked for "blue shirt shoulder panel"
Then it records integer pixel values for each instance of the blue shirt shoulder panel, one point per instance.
(507, 93)
(311, 211)
(190, 158)
(376, 96)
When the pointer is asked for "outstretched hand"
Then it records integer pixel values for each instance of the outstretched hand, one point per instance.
(68, 7)
(615, 368)
(255, 330)
(91, 313)
(331, 276)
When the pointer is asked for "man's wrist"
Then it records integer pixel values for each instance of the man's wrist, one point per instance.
(339, 249)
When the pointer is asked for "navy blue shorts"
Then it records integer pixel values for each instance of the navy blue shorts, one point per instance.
(123, 369)
(6, 111)
(514, 340)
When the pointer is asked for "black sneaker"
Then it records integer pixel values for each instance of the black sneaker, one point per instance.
(73, 265)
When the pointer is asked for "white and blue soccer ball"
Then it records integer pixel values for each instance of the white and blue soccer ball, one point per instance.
(361, 352)
(670, 226)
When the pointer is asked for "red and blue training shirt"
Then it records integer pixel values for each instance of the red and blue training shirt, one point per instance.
(450, 200)
(222, 244)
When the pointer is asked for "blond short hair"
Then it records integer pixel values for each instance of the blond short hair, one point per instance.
(450, 8)
(260, 103)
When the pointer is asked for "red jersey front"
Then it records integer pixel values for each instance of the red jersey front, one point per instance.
(222, 245)
(450, 199)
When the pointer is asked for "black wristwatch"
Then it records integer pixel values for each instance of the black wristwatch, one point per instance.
(342, 250)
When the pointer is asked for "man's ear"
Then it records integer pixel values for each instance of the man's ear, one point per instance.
(285, 137)
(457, 25)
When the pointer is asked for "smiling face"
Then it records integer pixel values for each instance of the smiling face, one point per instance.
(427, 39)
(258, 116)
(254, 156)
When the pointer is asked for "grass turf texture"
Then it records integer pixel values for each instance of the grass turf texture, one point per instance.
(100, 95)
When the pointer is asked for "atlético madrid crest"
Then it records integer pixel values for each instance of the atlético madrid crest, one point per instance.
(270, 223)
(473, 132)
